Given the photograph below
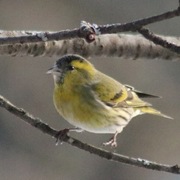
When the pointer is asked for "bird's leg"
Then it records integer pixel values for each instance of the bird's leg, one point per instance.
(76, 129)
(112, 142)
(62, 134)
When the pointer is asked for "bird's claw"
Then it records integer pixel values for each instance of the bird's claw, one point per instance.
(61, 135)
(112, 142)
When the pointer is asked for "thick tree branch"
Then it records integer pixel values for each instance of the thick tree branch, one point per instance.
(119, 45)
(39, 124)
(30, 37)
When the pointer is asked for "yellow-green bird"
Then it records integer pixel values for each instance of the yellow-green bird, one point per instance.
(92, 101)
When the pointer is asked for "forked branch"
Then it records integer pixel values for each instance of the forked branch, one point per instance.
(83, 31)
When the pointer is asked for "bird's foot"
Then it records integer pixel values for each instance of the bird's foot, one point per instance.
(112, 142)
(61, 135)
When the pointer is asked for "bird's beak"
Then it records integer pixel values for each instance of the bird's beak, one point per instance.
(50, 71)
(54, 70)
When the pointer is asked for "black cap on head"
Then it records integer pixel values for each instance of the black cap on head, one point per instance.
(67, 59)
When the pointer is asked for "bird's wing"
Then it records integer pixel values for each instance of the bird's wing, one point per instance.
(114, 94)
(141, 94)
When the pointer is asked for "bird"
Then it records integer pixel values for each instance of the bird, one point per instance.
(93, 101)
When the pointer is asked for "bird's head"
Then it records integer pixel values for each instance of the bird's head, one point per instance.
(72, 68)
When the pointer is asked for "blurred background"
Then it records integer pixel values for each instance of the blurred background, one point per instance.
(26, 153)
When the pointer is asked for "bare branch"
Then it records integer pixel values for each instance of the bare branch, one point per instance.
(132, 26)
(119, 45)
(31, 36)
(158, 40)
(39, 124)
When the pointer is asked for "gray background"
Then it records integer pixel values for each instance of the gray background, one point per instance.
(26, 153)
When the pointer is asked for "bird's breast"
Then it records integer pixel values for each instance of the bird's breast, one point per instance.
(82, 109)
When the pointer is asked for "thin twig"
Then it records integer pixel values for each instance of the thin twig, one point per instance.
(132, 26)
(31, 36)
(158, 40)
(39, 124)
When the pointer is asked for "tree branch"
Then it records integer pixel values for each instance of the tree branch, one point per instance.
(158, 40)
(132, 26)
(119, 45)
(39, 124)
(84, 32)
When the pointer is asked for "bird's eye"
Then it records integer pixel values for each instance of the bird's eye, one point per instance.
(71, 68)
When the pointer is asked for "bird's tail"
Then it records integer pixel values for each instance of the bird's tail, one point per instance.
(151, 110)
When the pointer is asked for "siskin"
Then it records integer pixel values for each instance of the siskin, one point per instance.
(93, 101)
